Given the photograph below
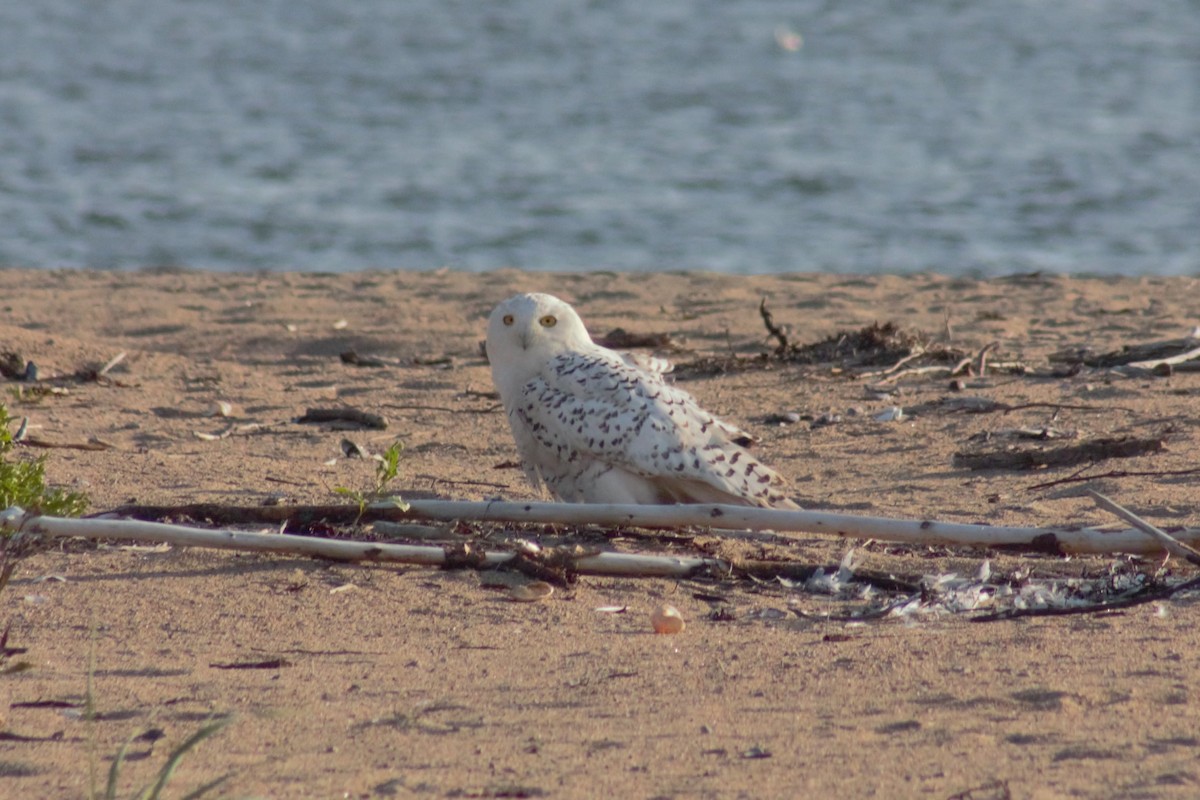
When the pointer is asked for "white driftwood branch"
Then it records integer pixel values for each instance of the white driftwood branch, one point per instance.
(1190, 355)
(1169, 543)
(1068, 539)
(14, 519)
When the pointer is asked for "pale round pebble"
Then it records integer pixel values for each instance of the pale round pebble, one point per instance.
(667, 619)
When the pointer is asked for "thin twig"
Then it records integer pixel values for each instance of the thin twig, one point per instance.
(112, 362)
(95, 444)
(1116, 473)
(981, 358)
(288, 481)
(896, 376)
(1007, 409)
(916, 353)
(435, 481)
(1169, 542)
(445, 409)
(774, 330)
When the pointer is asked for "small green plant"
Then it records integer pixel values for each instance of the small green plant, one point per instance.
(23, 482)
(154, 790)
(385, 472)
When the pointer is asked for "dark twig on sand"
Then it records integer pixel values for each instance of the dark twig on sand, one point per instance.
(774, 330)
(1115, 473)
(972, 404)
(354, 416)
(92, 444)
(1095, 450)
(444, 409)
(353, 358)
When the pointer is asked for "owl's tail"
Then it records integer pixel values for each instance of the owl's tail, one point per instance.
(677, 490)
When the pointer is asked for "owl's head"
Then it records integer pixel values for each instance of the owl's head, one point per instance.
(528, 329)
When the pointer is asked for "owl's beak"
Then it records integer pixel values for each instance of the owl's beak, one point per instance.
(524, 338)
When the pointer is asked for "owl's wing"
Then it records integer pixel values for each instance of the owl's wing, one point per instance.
(596, 405)
(655, 365)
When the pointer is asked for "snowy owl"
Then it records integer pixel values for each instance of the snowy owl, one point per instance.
(597, 426)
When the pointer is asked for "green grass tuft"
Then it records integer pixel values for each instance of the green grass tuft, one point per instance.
(23, 481)
(154, 790)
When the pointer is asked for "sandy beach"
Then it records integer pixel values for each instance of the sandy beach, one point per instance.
(390, 681)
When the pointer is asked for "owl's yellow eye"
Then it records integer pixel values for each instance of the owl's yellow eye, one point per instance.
(548, 321)
(508, 319)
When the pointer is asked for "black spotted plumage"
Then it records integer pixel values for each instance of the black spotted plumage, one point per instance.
(594, 425)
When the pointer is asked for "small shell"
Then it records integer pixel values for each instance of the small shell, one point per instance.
(666, 619)
(531, 592)
(893, 414)
(353, 449)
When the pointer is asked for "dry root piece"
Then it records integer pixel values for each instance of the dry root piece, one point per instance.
(1085, 452)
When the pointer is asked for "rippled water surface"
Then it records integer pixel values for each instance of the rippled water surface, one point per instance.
(759, 135)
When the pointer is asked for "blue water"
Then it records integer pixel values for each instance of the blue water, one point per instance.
(750, 136)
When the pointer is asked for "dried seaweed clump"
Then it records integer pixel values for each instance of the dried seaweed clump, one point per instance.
(878, 344)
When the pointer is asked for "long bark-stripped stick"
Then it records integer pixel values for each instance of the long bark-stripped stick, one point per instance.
(925, 532)
(1166, 541)
(1190, 355)
(14, 519)
(1064, 539)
